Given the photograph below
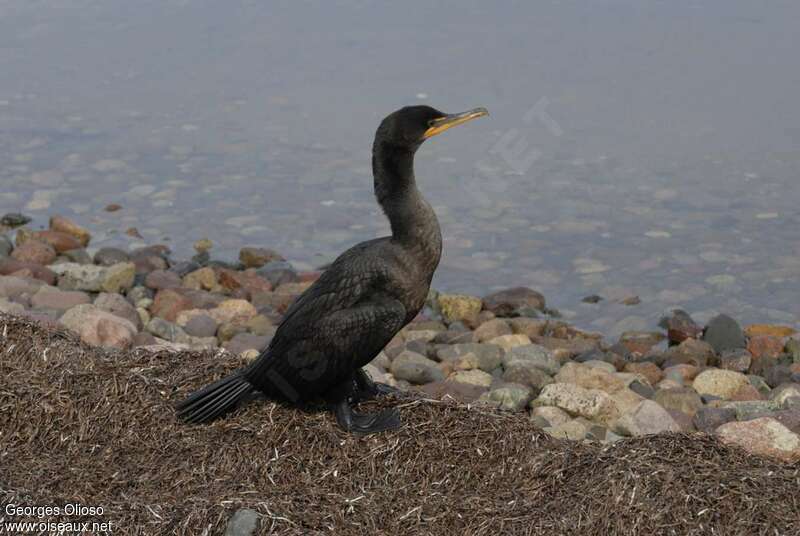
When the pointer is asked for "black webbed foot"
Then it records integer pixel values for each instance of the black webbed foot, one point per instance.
(367, 389)
(365, 423)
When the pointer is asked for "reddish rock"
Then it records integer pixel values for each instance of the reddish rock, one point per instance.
(168, 303)
(680, 326)
(765, 346)
(686, 373)
(34, 251)
(650, 371)
(66, 225)
(532, 327)
(640, 342)
(149, 258)
(61, 242)
(690, 352)
(53, 298)
(764, 437)
(160, 279)
(248, 280)
(514, 301)
(252, 257)
(9, 266)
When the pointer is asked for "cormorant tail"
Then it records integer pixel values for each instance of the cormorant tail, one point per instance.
(215, 400)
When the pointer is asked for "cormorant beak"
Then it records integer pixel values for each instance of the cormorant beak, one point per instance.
(437, 126)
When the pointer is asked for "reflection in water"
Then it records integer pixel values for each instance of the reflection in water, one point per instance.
(634, 147)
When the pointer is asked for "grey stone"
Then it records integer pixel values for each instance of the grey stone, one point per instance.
(684, 399)
(415, 368)
(533, 355)
(724, 333)
(201, 326)
(6, 246)
(526, 373)
(647, 418)
(78, 255)
(167, 330)
(116, 304)
(707, 419)
(110, 256)
(738, 360)
(242, 523)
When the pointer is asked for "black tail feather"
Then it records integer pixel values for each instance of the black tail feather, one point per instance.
(214, 400)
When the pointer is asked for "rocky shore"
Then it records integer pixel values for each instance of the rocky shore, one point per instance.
(506, 349)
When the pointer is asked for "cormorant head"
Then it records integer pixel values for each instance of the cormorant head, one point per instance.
(410, 126)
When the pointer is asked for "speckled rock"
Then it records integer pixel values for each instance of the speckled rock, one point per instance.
(472, 377)
(455, 307)
(590, 403)
(589, 377)
(114, 278)
(509, 397)
(720, 383)
(507, 342)
(763, 437)
(738, 360)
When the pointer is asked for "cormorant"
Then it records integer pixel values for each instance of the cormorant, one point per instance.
(345, 318)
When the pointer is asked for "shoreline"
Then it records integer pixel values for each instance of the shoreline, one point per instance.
(506, 349)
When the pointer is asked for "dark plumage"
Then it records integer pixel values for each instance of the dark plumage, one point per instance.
(359, 303)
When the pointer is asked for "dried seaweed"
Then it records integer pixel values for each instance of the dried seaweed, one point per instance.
(80, 424)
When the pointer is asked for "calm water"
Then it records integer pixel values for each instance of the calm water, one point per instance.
(634, 147)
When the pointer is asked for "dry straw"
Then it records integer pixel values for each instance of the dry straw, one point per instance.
(84, 425)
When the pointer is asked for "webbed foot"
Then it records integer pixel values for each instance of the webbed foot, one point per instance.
(365, 423)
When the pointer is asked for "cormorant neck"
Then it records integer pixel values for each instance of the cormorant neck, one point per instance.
(413, 221)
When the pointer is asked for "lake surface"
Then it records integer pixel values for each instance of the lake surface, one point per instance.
(634, 148)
